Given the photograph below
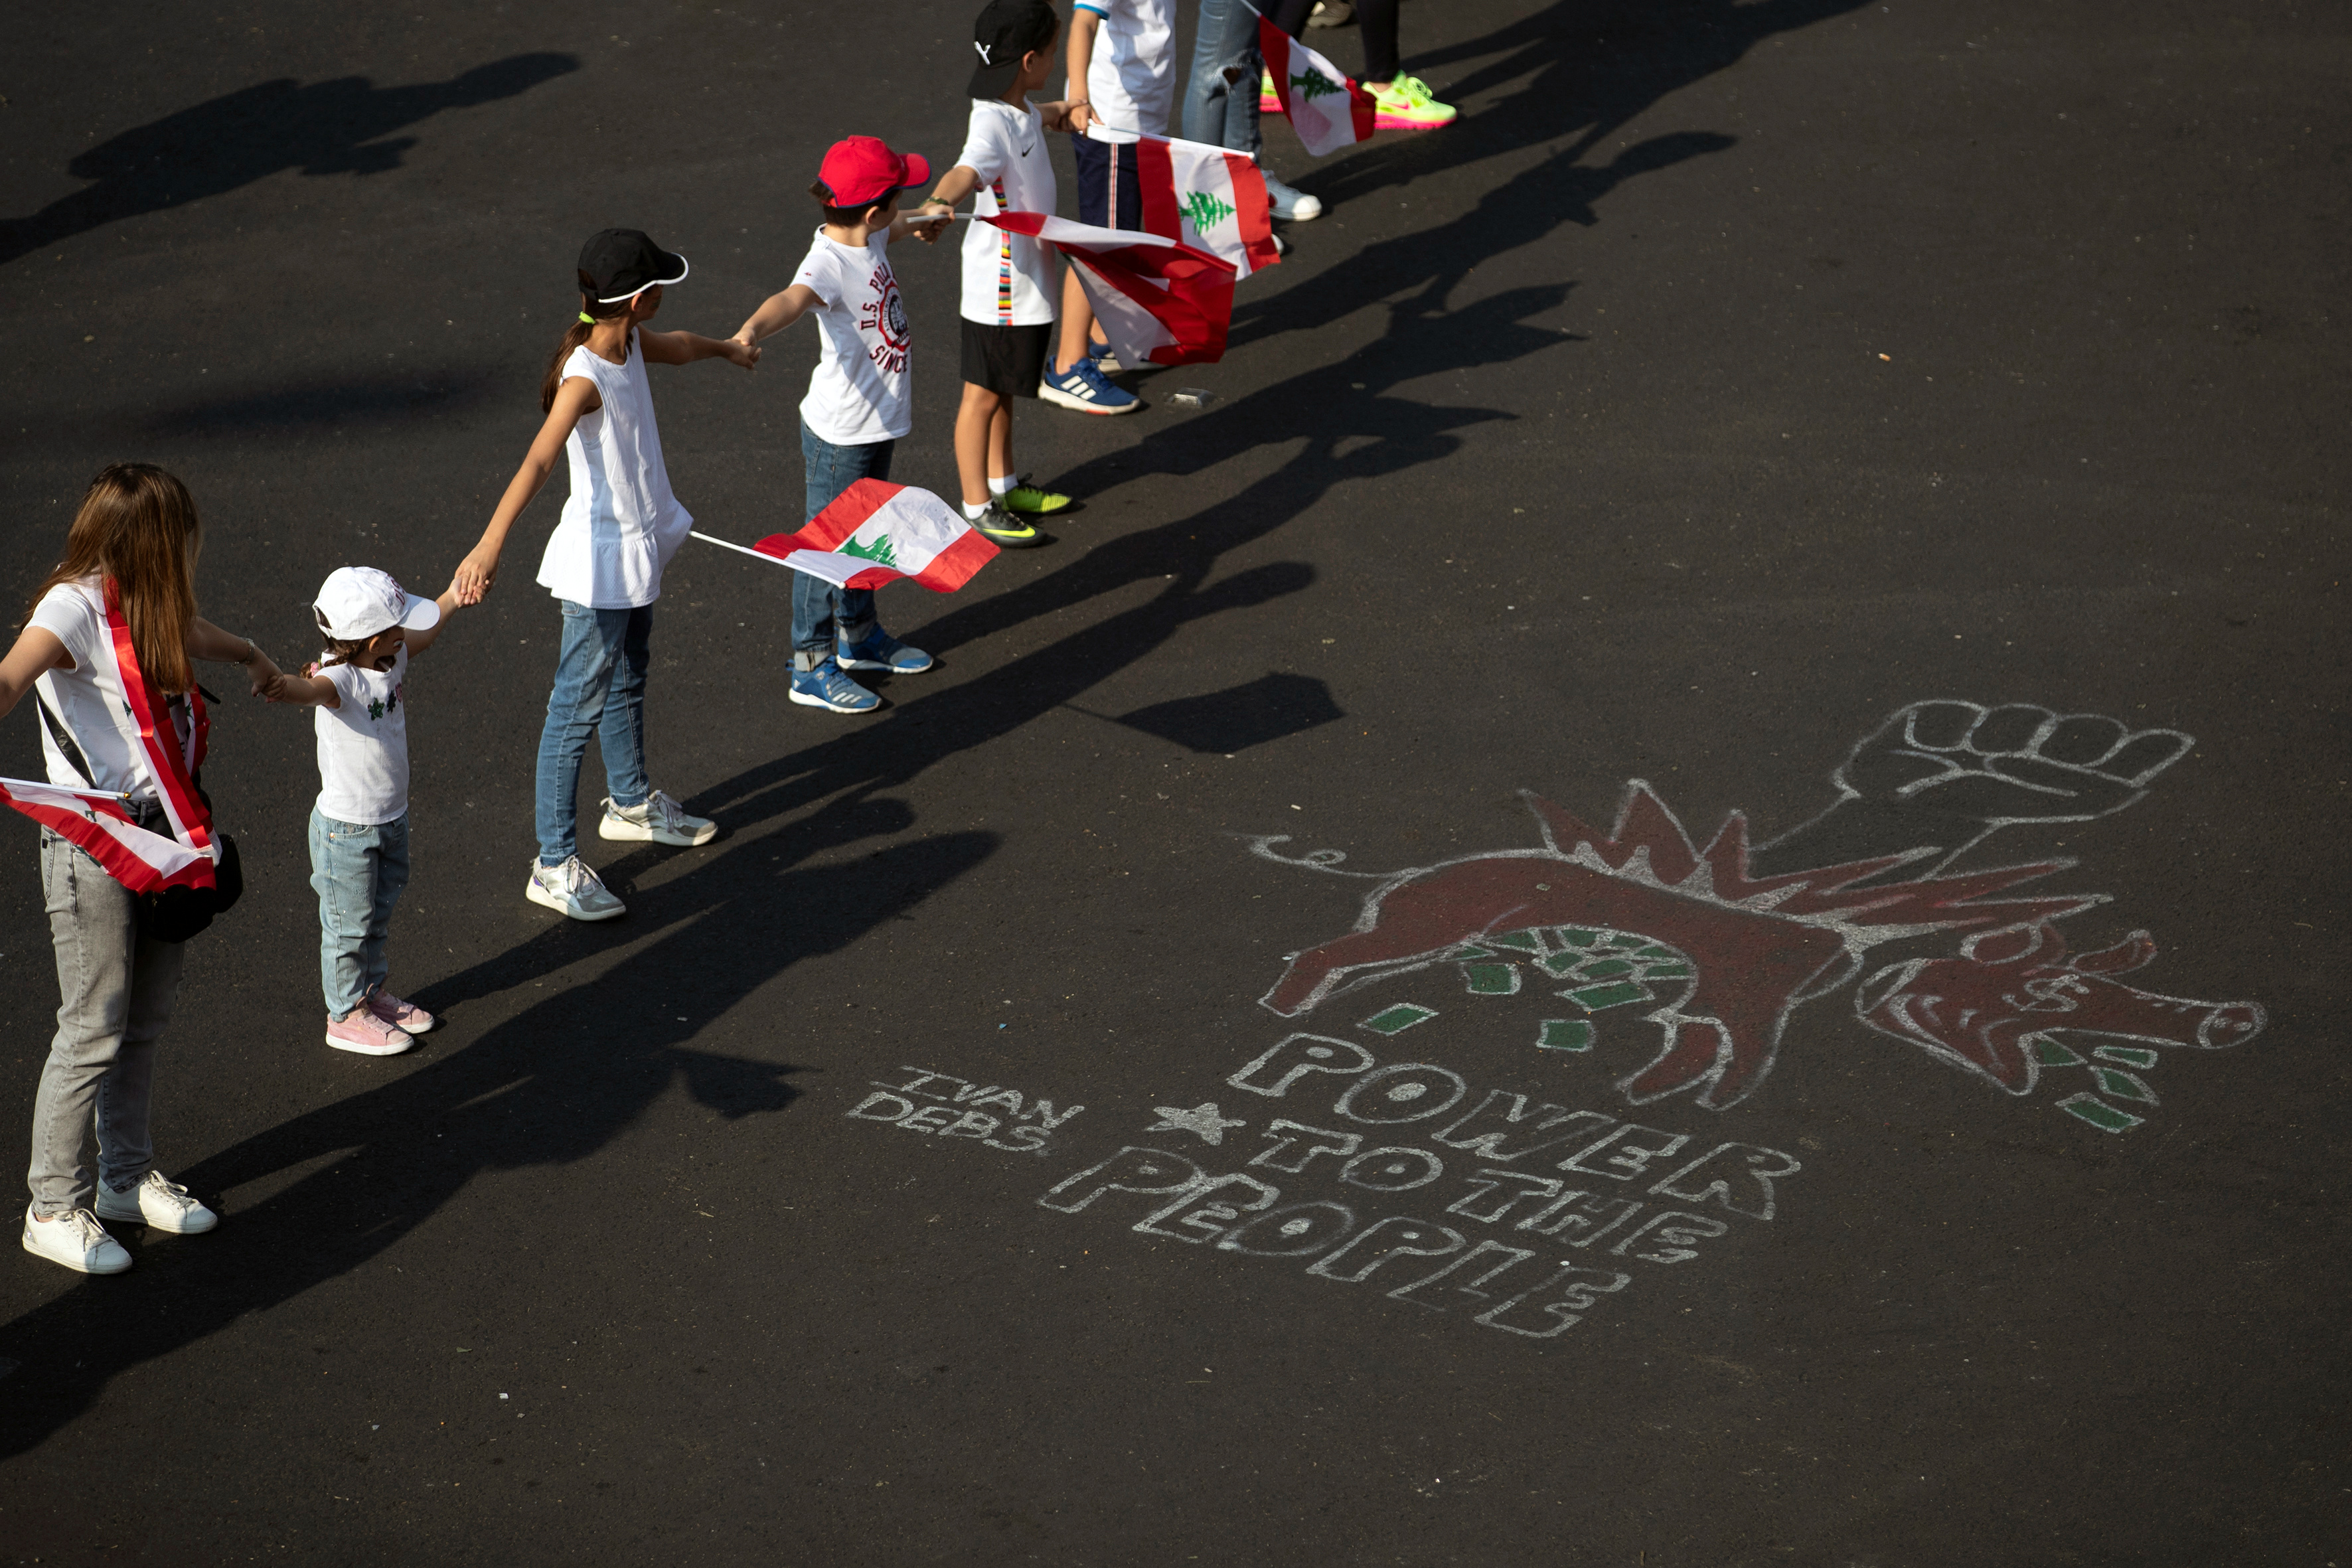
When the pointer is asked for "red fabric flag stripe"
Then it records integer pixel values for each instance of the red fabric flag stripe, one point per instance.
(1257, 212)
(113, 846)
(1274, 44)
(1156, 174)
(951, 568)
(169, 766)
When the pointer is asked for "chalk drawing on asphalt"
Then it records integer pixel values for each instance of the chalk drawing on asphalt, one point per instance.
(1713, 947)
(1203, 1120)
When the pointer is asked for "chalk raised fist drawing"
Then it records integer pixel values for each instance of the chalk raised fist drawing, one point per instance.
(1948, 774)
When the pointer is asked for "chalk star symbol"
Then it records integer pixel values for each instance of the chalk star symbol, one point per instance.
(1202, 1118)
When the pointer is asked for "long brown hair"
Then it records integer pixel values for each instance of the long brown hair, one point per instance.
(138, 526)
(577, 333)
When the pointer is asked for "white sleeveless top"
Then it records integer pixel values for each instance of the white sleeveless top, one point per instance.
(621, 524)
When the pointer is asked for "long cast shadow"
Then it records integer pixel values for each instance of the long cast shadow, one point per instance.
(326, 128)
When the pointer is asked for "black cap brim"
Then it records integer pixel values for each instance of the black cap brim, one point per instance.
(989, 82)
(669, 268)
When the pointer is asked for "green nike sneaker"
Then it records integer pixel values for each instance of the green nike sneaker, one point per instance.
(1026, 497)
(1001, 528)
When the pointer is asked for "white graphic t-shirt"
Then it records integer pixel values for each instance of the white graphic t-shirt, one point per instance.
(363, 744)
(87, 699)
(1008, 280)
(858, 395)
(1131, 75)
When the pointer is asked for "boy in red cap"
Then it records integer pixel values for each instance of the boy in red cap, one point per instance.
(858, 403)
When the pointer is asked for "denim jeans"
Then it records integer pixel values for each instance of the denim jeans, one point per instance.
(359, 870)
(1219, 111)
(600, 685)
(1376, 25)
(116, 989)
(817, 604)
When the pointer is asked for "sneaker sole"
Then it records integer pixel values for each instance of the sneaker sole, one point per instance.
(807, 701)
(1396, 122)
(62, 1263)
(138, 1216)
(567, 912)
(1039, 510)
(1048, 393)
(1012, 542)
(630, 833)
(356, 1049)
(885, 669)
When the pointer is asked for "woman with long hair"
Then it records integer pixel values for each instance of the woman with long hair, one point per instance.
(106, 652)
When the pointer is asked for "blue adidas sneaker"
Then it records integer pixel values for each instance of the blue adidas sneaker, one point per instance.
(823, 686)
(1082, 386)
(877, 649)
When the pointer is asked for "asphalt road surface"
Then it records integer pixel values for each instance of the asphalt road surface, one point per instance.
(951, 1162)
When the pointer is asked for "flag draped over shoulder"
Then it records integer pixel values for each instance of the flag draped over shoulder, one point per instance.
(102, 827)
(1209, 198)
(875, 532)
(1159, 299)
(1327, 109)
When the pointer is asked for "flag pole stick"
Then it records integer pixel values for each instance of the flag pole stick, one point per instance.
(737, 548)
(65, 789)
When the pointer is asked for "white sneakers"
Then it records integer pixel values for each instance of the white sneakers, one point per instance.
(161, 1203)
(75, 1239)
(657, 818)
(572, 888)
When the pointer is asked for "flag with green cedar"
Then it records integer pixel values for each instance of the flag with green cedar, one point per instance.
(1207, 197)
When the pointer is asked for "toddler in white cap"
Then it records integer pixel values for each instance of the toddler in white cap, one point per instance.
(359, 829)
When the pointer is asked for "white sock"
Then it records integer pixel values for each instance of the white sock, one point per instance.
(1001, 484)
(975, 513)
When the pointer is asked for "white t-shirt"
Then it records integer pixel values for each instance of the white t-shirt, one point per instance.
(88, 698)
(1008, 280)
(858, 395)
(1131, 75)
(363, 744)
(621, 524)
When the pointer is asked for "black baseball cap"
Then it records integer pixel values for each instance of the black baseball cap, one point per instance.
(617, 264)
(1007, 30)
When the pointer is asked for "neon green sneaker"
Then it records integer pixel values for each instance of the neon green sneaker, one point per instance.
(1268, 100)
(1031, 498)
(1405, 104)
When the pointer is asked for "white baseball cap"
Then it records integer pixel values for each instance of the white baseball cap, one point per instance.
(358, 602)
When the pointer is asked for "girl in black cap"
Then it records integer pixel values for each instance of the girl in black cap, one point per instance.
(604, 559)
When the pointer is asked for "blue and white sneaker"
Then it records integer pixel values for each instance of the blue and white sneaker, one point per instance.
(823, 686)
(1105, 357)
(1083, 387)
(880, 650)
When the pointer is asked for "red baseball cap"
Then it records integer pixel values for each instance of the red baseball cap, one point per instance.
(859, 171)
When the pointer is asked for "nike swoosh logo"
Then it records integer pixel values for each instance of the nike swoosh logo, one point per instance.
(1029, 148)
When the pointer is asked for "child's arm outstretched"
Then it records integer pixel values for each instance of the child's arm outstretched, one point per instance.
(776, 312)
(417, 642)
(574, 400)
(684, 348)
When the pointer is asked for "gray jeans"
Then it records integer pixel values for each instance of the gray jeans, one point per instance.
(117, 988)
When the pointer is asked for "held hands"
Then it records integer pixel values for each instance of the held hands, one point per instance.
(930, 221)
(740, 350)
(263, 675)
(1079, 115)
(476, 574)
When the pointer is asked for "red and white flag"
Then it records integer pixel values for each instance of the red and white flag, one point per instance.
(1209, 199)
(1158, 298)
(101, 824)
(1327, 109)
(874, 533)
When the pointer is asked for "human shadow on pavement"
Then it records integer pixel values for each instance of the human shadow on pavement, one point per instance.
(326, 128)
(551, 1085)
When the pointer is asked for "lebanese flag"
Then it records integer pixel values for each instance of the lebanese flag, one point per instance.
(875, 532)
(1327, 109)
(100, 824)
(1209, 198)
(1158, 298)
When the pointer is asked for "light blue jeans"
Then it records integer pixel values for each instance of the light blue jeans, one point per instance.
(819, 608)
(1221, 95)
(358, 869)
(600, 685)
(115, 989)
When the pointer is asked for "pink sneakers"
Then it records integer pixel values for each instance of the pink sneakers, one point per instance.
(405, 1017)
(366, 1033)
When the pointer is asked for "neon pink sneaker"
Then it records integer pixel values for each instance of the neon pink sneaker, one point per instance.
(366, 1033)
(405, 1017)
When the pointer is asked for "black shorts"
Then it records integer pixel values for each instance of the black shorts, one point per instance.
(1098, 169)
(1007, 361)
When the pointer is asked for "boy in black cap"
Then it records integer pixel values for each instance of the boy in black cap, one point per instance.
(1008, 278)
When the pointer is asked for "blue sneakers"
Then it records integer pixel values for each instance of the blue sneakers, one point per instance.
(880, 650)
(1082, 386)
(823, 686)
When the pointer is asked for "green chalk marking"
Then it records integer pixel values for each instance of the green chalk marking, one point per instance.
(1617, 994)
(1467, 951)
(1491, 979)
(1527, 940)
(1396, 1019)
(2099, 1113)
(2123, 1085)
(1667, 971)
(1604, 969)
(2051, 1054)
(1575, 936)
(1559, 965)
(2138, 1057)
(1565, 1035)
(1657, 950)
